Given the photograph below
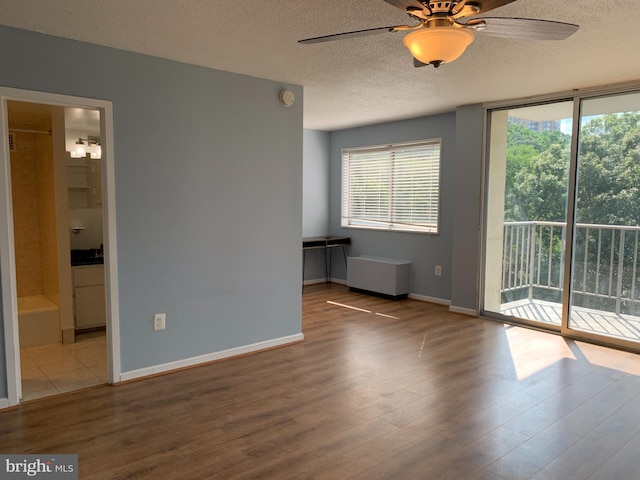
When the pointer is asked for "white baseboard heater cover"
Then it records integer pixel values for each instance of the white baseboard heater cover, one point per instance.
(381, 276)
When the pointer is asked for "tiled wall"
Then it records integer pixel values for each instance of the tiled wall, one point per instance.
(47, 218)
(26, 223)
(35, 233)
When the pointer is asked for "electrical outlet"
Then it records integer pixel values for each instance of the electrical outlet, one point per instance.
(159, 320)
(438, 270)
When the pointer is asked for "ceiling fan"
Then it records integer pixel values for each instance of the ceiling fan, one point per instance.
(446, 28)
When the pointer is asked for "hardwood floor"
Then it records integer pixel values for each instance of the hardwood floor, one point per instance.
(379, 390)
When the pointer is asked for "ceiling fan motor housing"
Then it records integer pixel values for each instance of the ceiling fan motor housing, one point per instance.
(441, 6)
(453, 7)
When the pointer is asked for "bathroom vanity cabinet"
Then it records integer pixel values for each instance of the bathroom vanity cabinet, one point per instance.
(89, 296)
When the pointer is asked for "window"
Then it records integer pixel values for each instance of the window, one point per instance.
(392, 187)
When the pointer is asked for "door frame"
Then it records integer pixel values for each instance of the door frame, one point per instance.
(7, 247)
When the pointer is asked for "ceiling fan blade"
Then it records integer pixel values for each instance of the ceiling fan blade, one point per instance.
(486, 5)
(356, 33)
(414, 7)
(525, 28)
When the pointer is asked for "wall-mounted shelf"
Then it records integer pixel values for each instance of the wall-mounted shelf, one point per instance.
(83, 182)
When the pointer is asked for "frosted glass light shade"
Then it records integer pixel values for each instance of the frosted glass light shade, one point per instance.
(438, 44)
(78, 152)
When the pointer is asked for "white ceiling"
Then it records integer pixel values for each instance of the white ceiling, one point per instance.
(354, 81)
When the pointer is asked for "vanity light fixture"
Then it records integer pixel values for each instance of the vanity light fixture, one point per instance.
(79, 151)
(89, 145)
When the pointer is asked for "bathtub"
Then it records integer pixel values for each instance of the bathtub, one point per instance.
(39, 321)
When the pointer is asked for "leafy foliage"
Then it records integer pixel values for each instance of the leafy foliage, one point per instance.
(608, 176)
(608, 190)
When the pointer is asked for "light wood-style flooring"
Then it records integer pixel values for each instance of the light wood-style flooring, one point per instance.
(379, 390)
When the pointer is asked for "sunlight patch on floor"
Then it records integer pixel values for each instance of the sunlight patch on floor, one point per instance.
(387, 316)
(525, 347)
(361, 310)
(625, 362)
(348, 306)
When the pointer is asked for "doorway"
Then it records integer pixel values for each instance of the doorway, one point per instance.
(61, 329)
(57, 216)
(562, 221)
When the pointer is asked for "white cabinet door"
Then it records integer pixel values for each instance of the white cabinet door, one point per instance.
(89, 296)
(90, 306)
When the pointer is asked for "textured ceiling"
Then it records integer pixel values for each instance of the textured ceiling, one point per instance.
(354, 81)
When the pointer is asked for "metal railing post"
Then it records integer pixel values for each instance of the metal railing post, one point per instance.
(532, 253)
(620, 271)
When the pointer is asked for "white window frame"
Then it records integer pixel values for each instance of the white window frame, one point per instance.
(391, 157)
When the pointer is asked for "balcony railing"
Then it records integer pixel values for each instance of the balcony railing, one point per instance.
(605, 267)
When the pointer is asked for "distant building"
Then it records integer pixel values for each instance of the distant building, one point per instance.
(544, 126)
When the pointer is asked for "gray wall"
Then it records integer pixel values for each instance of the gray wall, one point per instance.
(424, 251)
(467, 202)
(208, 194)
(315, 201)
(315, 183)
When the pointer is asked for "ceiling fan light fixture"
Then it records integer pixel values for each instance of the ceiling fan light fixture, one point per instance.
(436, 45)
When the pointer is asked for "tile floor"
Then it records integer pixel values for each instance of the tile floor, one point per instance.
(52, 369)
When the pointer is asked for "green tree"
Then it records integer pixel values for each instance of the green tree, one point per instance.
(609, 170)
(608, 175)
(536, 178)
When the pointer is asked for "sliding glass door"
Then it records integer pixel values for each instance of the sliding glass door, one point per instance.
(605, 296)
(526, 212)
(562, 217)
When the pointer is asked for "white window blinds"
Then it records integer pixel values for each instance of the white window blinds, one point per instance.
(392, 187)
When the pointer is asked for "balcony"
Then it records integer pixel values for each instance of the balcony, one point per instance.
(606, 285)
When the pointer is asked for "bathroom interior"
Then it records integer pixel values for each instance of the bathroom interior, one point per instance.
(55, 161)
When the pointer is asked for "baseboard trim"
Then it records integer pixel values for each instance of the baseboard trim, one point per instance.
(210, 357)
(317, 281)
(464, 311)
(314, 281)
(425, 298)
(4, 403)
